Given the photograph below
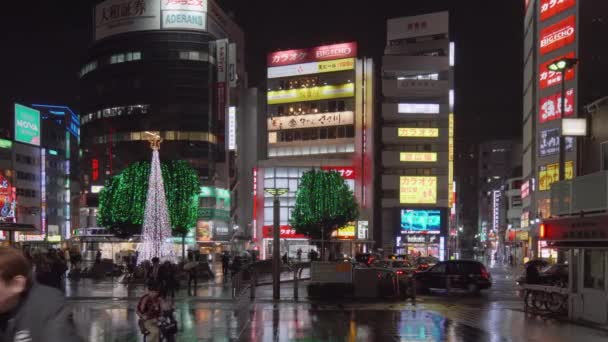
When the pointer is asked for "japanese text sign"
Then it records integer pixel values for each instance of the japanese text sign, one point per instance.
(418, 190)
(548, 78)
(557, 35)
(311, 120)
(550, 107)
(549, 8)
(286, 232)
(347, 172)
(418, 157)
(311, 94)
(549, 142)
(319, 53)
(549, 174)
(416, 132)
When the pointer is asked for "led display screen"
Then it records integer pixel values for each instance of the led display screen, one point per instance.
(420, 221)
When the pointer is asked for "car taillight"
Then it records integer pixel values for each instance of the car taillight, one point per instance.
(484, 273)
(400, 272)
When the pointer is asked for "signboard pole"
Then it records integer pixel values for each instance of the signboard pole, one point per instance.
(562, 139)
(276, 258)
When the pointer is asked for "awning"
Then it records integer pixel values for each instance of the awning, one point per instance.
(17, 227)
(578, 244)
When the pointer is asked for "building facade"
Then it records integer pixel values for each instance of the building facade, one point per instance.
(554, 30)
(417, 127)
(319, 115)
(171, 67)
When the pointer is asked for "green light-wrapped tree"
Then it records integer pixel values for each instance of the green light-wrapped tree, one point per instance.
(323, 204)
(122, 201)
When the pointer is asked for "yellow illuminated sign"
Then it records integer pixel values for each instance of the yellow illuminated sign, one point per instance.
(346, 232)
(421, 157)
(311, 94)
(451, 159)
(418, 190)
(336, 65)
(549, 174)
(417, 132)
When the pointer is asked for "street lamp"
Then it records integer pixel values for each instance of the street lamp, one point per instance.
(562, 65)
(276, 257)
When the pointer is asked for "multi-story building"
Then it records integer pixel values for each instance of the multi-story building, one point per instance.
(417, 123)
(171, 67)
(318, 116)
(553, 30)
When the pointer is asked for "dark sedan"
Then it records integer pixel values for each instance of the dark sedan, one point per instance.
(458, 274)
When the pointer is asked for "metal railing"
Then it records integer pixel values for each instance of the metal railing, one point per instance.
(253, 275)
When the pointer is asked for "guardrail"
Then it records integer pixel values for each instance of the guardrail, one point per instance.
(249, 277)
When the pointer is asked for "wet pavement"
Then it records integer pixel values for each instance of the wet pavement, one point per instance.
(495, 315)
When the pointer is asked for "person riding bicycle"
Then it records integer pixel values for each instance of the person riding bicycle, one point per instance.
(149, 311)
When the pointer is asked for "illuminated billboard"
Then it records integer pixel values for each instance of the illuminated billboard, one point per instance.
(27, 125)
(327, 92)
(280, 123)
(550, 107)
(549, 174)
(549, 142)
(549, 8)
(417, 132)
(347, 172)
(312, 68)
(548, 78)
(315, 54)
(420, 221)
(557, 35)
(418, 108)
(8, 201)
(418, 157)
(417, 189)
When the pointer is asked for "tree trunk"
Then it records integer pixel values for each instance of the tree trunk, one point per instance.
(183, 247)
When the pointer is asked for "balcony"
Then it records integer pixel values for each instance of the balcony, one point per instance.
(583, 194)
(415, 88)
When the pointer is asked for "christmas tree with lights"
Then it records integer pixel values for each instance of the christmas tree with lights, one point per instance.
(156, 229)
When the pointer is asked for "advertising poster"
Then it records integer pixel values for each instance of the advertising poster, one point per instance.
(549, 142)
(327, 92)
(312, 68)
(418, 189)
(7, 200)
(558, 35)
(120, 16)
(550, 107)
(311, 120)
(203, 231)
(548, 78)
(548, 174)
(27, 125)
(420, 221)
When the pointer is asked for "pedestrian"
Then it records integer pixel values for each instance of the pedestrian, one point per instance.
(511, 259)
(149, 310)
(30, 311)
(299, 254)
(167, 279)
(225, 264)
(154, 271)
(192, 269)
(285, 259)
(98, 256)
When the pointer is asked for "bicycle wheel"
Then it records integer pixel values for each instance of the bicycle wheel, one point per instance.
(539, 301)
(556, 302)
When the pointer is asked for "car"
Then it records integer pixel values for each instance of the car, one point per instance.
(423, 263)
(539, 263)
(556, 275)
(458, 274)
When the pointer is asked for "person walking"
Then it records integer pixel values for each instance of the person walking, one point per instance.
(225, 264)
(299, 254)
(30, 311)
(149, 310)
(98, 256)
(153, 273)
(192, 269)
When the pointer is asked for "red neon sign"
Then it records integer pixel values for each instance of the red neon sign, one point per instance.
(550, 107)
(347, 172)
(94, 169)
(557, 35)
(548, 78)
(287, 232)
(319, 53)
(549, 8)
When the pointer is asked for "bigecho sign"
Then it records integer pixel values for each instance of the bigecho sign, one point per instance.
(548, 78)
(549, 8)
(550, 107)
(557, 35)
(319, 53)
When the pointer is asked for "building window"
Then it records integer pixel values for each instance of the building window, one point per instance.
(125, 57)
(594, 269)
(193, 55)
(115, 111)
(87, 68)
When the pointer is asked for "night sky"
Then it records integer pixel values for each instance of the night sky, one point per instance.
(43, 43)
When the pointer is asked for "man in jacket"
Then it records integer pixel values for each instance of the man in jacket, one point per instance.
(30, 311)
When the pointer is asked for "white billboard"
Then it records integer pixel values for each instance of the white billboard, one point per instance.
(231, 128)
(418, 26)
(311, 120)
(185, 20)
(121, 16)
(184, 5)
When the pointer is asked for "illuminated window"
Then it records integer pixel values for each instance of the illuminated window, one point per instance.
(115, 111)
(432, 77)
(418, 108)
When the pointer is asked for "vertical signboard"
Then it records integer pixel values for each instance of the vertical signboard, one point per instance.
(8, 201)
(548, 78)
(232, 75)
(549, 8)
(450, 159)
(221, 51)
(232, 128)
(27, 125)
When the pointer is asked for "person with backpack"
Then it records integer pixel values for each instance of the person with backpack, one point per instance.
(149, 312)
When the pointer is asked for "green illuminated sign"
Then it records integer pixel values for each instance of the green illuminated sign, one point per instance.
(53, 152)
(27, 125)
(5, 143)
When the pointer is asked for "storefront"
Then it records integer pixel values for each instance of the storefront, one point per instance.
(422, 232)
(290, 242)
(585, 243)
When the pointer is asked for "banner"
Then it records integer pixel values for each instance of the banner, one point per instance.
(319, 53)
(550, 107)
(557, 35)
(549, 174)
(311, 94)
(549, 8)
(312, 68)
(418, 190)
(221, 52)
(548, 78)
(311, 120)
(549, 143)
(120, 16)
